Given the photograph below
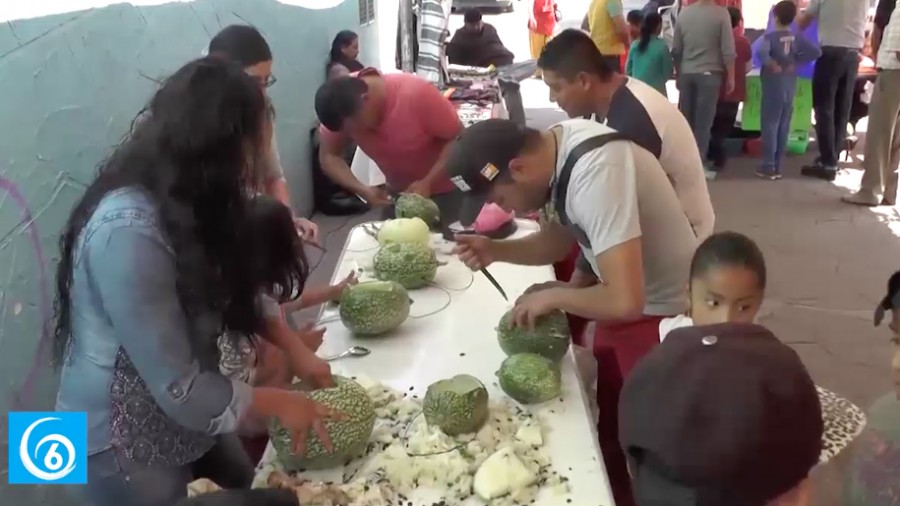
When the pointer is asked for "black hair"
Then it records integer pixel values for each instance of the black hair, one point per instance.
(634, 17)
(785, 12)
(572, 52)
(736, 16)
(243, 497)
(336, 56)
(274, 255)
(729, 249)
(242, 44)
(649, 29)
(339, 99)
(192, 155)
(472, 16)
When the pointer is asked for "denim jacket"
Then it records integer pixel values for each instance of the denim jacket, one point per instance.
(124, 298)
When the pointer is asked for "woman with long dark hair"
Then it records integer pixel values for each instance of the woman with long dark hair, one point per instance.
(151, 272)
(342, 59)
(244, 45)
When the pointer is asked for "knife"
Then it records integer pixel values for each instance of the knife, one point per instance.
(484, 270)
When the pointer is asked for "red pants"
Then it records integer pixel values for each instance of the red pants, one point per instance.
(618, 348)
(564, 272)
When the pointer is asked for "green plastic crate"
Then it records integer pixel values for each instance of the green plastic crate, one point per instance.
(801, 121)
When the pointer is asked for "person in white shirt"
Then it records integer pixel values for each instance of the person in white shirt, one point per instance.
(613, 199)
(879, 182)
(727, 285)
(582, 86)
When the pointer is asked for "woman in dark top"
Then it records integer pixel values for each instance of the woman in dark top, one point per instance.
(244, 44)
(342, 59)
(150, 274)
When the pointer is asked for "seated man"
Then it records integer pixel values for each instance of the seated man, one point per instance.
(477, 44)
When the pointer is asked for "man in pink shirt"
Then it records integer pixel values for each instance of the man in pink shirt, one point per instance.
(402, 123)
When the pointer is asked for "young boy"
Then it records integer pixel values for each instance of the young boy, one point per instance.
(727, 108)
(779, 52)
(703, 50)
(727, 285)
(721, 415)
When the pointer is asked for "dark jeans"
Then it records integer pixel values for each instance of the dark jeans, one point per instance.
(833, 83)
(723, 127)
(113, 480)
(699, 94)
(775, 117)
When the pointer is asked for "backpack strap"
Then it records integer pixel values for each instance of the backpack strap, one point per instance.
(561, 189)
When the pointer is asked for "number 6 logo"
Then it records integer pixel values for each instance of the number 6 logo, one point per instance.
(53, 461)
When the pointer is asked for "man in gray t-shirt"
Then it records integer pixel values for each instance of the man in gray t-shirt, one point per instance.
(842, 35)
(703, 49)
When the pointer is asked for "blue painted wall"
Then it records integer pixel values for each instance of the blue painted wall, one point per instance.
(71, 84)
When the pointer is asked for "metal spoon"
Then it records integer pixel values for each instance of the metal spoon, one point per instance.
(353, 351)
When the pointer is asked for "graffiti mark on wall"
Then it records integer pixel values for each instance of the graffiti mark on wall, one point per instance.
(27, 226)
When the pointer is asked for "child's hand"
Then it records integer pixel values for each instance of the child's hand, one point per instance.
(337, 289)
(308, 230)
(311, 336)
(315, 371)
(775, 68)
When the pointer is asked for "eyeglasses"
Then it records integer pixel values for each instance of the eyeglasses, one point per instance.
(267, 82)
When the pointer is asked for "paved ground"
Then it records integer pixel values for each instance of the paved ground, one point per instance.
(828, 262)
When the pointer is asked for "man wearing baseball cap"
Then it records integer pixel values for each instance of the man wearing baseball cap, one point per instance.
(743, 427)
(617, 203)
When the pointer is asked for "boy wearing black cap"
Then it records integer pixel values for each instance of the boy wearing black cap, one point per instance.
(743, 428)
(617, 203)
(872, 480)
(891, 302)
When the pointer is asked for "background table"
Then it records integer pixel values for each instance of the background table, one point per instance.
(460, 339)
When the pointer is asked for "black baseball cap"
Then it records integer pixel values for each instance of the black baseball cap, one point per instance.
(478, 156)
(719, 415)
(891, 300)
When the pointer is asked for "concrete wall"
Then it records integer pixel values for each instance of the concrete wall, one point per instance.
(71, 83)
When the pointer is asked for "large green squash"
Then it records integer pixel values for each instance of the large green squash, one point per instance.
(410, 264)
(550, 336)
(412, 205)
(458, 405)
(530, 378)
(372, 308)
(349, 436)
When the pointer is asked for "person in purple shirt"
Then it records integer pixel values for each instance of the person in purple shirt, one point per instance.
(780, 52)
